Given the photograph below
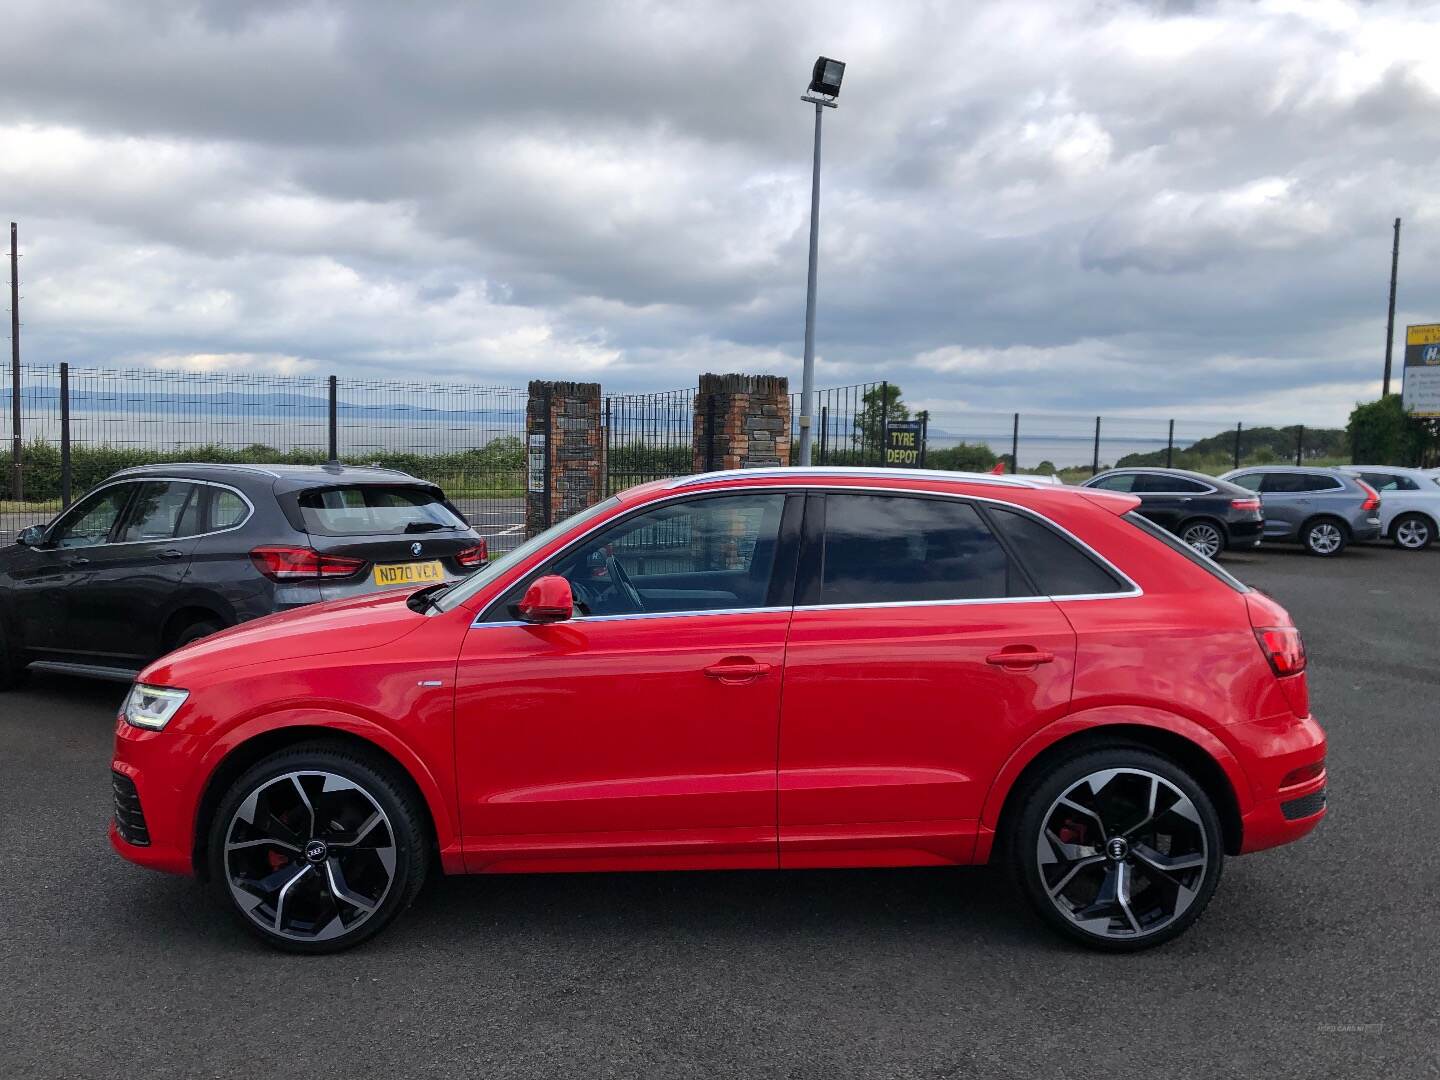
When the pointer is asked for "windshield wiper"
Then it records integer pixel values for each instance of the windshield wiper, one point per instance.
(422, 600)
(426, 526)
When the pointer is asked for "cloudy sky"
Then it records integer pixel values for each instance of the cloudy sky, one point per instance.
(1162, 209)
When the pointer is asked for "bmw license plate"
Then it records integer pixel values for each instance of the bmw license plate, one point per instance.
(408, 573)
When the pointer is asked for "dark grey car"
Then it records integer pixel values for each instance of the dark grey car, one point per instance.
(158, 556)
(1322, 509)
(1208, 514)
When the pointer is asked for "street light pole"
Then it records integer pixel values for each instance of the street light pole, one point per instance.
(807, 379)
(824, 86)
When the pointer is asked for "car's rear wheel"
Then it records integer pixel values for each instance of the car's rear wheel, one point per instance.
(194, 631)
(1118, 849)
(319, 847)
(1413, 532)
(1206, 537)
(1324, 537)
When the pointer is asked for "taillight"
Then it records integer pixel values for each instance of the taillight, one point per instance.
(296, 563)
(473, 556)
(1372, 497)
(1283, 648)
(1245, 504)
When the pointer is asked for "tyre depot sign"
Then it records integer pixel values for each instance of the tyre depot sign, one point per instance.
(905, 443)
(1421, 393)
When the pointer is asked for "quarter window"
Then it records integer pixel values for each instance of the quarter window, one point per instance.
(882, 549)
(1058, 565)
(226, 509)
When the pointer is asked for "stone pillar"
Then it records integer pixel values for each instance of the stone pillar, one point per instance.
(565, 469)
(742, 422)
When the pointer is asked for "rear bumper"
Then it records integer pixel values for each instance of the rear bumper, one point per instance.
(1245, 533)
(1365, 529)
(1284, 759)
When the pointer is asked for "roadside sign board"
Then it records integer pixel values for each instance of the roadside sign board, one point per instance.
(1421, 390)
(904, 443)
(535, 464)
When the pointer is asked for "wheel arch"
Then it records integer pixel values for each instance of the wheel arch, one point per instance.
(1200, 753)
(189, 613)
(1403, 514)
(240, 754)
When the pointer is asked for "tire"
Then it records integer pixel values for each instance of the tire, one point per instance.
(1061, 857)
(1205, 536)
(314, 888)
(194, 631)
(1412, 532)
(1324, 537)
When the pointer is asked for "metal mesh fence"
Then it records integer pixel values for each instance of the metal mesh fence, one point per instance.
(648, 437)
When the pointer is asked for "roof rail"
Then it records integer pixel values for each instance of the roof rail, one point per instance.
(164, 465)
(863, 471)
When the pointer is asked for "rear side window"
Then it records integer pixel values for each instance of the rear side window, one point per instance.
(1058, 565)
(375, 510)
(1174, 543)
(1319, 482)
(1118, 482)
(883, 549)
(1389, 481)
(164, 509)
(1251, 481)
(1159, 482)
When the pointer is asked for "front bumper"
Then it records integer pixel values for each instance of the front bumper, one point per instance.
(1284, 759)
(152, 761)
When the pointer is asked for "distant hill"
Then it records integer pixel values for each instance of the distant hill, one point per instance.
(1258, 446)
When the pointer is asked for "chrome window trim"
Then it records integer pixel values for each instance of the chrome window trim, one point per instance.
(862, 472)
(113, 482)
(1209, 490)
(1133, 591)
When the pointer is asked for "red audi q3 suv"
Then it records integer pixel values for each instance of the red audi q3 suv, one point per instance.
(746, 670)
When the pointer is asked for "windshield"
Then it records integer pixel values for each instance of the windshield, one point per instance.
(455, 596)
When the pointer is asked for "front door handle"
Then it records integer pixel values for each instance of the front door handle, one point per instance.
(1019, 658)
(170, 553)
(78, 560)
(737, 669)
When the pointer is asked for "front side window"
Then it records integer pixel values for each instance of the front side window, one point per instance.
(889, 549)
(90, 521)
(368, 510)
(1389, 481)
(162, 510)
(707, 554)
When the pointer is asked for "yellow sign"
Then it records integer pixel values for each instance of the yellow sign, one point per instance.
(1428, 334)
(388, 574)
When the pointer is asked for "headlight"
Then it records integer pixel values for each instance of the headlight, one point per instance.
(153, 706)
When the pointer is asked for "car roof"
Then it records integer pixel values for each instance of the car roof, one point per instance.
(1329, 470)
(284, 476)
(824, 472)
(1189, 473)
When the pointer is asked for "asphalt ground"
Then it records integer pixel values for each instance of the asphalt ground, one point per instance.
(1319, 959)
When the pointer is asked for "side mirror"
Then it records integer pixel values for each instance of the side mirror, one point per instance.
(32, 536)
(547, 600)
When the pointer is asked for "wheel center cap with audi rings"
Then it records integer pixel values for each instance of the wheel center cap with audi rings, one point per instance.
(1117, 848)
(315, 851)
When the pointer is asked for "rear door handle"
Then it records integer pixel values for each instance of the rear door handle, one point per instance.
(1019, 657)
(78, 560)
(737, 669)
(170, 553)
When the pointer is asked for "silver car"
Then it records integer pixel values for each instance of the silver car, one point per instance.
(1323, 509)
(1409, 502)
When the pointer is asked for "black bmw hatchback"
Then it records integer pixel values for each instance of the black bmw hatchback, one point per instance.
(1208, 514)
(160, 555)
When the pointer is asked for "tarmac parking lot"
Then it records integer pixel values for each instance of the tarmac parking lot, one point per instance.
(1317, 959)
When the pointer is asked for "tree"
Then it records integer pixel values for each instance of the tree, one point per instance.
(1383, 433)
(878, 406)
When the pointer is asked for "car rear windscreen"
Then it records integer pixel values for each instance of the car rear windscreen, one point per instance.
(368, 510)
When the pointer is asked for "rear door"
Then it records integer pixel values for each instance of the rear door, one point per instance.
(920, 654)
(122, 605)
(1167, 500)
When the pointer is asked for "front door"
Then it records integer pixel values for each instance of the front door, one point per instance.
(920, 655)
(641, 733)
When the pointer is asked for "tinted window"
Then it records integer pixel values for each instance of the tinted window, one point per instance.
(1160, 482)
(709, 554)
(160, 511)
(226, 509)
(1284, 483)
(1389, 482)
(90, 521)
(1058, 566)
(1118, 482)
(369, 510)
(1320, 482)
(1250, 480)
(882, 549)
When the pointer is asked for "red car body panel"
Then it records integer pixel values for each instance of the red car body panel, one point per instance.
(878, 735)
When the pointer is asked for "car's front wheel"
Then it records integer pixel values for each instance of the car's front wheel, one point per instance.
(1118, 848)
(1413, 532)
(318, 847)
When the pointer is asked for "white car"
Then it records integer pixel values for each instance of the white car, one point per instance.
(1409, 502)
